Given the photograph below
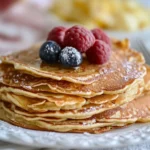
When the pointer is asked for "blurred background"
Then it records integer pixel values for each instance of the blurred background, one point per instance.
(25, 22)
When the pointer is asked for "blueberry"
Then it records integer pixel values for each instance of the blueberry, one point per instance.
(49, 52)
(70, 57)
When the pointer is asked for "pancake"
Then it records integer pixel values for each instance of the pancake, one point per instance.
(100, 130)
(35, 127)
(35, 104)
(64, 126)
(137, 110)
(122, 60)
(58, 99)
(42, 105)
(43, 102)
(118, 84)
(147, 78)
(84, 112)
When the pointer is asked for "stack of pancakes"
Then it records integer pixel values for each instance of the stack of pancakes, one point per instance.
(90, 98)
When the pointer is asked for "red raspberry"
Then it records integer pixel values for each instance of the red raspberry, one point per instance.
(101, 35)
(79, 38)
(99, 53)
(57, 34)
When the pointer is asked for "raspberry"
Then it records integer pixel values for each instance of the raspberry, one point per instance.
(57, 34)
(79, 38)
(99, 53)
(101, 35)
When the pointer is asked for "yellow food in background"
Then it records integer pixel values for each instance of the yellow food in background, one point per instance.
(125, 15)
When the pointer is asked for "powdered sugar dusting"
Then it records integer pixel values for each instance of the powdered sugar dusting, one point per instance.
(71, 56)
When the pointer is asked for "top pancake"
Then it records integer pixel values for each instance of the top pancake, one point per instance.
(121, 62)
(14, 78)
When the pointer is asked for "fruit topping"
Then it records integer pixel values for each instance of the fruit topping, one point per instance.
(57, 34)
(74, 41)
(49, 52)
(70, 57)
(79, 38)
(99, 53)
(101, 35)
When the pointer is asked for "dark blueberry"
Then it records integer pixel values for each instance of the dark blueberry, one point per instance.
(49, 52)
(70, 57)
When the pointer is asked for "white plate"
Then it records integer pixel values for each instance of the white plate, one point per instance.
(134, 134)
